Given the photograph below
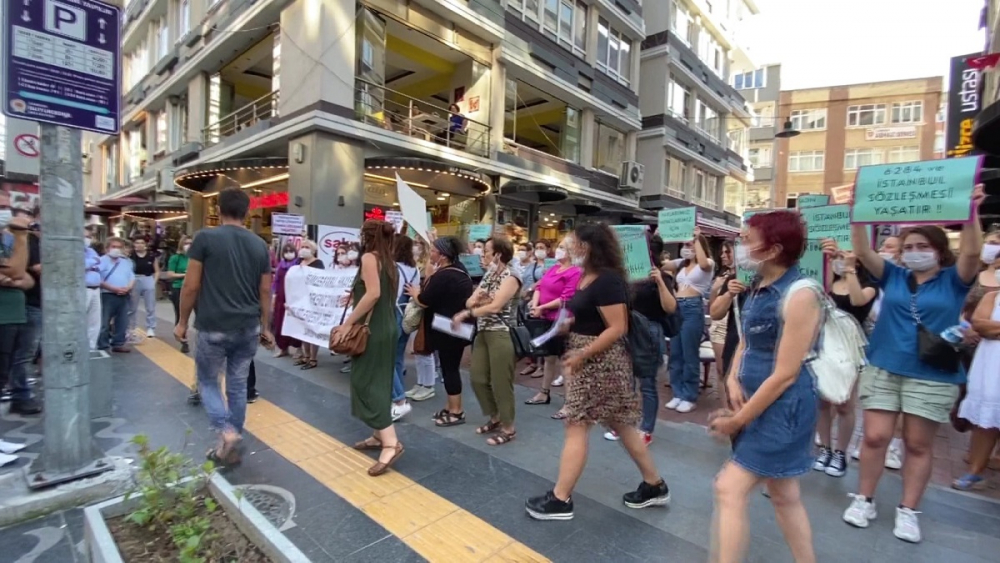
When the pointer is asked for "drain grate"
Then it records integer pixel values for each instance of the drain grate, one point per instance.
(274, 506)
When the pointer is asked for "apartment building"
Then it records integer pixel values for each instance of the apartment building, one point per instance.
(695, 124)
(761, 88)
(518, 112)
(842, 128)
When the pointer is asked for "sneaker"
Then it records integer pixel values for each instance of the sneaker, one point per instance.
(26, 407)
(648, 495)
(838, 464)
(150, 333)
(907, 525)
(673, 403)
(685, 407)
(5, 396)
(969, 482)
(423, 394)
(856, 454)
(549, 507)
(251, 397)
(346, 368)
(823, 459)
(611, 436)
(194, 398)
(861, 512)
(399, 411)
(413, 391)
(185, 348)
(892, 459)
(559, 382)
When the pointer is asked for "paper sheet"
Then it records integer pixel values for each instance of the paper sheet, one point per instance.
(443, 324)
(554, 330)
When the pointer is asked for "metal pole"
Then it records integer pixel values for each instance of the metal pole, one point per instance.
(68, 451)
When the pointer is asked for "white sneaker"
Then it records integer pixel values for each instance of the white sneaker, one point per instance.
(817, 441)
(685, 407)
(611, 436)
(423, 393)
(673, 403)
(150, 333)
(558, 382)
(861, 512)
(413, 391)
(399, 411)
(856, 454)
(907, 525)
(893, 461)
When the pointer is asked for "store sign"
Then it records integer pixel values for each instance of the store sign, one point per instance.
(267, 201)
(965, 100)
(889, 133)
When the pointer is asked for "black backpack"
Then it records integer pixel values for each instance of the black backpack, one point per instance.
(643, 348)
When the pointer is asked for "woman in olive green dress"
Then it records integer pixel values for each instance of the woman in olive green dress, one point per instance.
(374, 296)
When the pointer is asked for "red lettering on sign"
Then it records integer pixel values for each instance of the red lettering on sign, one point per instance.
(375, 214)
(267, 201)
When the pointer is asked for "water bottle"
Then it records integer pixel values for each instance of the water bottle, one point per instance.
(956, 333)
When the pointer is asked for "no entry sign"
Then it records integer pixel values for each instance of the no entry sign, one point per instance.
(27, 145)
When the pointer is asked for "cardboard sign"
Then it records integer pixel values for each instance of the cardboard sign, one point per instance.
(829, 221)
(635, 250)
(473, 264)
(812, 200)
(813, 263)
(930, 191)
(287, 224)
(480, 232)
(677, 225)
(414, 209)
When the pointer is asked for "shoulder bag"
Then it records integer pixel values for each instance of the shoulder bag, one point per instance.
(356, 340)
(931, 348)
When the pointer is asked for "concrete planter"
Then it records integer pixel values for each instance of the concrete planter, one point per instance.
(101, 546)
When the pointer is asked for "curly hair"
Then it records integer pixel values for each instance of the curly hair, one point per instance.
(376, 237)
(605, 253)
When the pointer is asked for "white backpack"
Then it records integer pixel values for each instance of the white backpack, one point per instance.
(835, 367)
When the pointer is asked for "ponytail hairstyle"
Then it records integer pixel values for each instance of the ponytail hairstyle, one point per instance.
(376, 238)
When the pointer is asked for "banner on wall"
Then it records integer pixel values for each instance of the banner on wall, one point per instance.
(315, 302)
(339, 247)
(965, 100)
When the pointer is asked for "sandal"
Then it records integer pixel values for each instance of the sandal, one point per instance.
(489, 427)
(299, 360)
(309, 365)
(501, 438)
(439, 414)
(969, 482)
(224, 455)
(530, 369)
(450, 419)
(369, 443)
(560, 415)
(379, 468)
(545, 401)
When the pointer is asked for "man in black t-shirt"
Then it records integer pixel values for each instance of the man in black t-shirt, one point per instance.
(147, 271)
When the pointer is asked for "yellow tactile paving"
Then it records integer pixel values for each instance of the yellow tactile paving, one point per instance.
(429, 524)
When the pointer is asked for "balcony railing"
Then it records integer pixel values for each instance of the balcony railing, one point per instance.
(397, 112)
(263, 108)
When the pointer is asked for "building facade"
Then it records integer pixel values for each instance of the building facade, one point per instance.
(695, 124)
(761, 87)
(517, 112)
(842, 128)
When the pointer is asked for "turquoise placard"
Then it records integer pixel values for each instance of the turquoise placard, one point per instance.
(473, 264)
(829, 221)
(635, 250)
(677, 225)
(549, 262)
(480, 232)
(813, 263)
(929, 191)
(812, 200)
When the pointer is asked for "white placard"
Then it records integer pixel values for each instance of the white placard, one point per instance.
(414, 208)
(396, 218)
(287, 224)
(337, 245)
(315, 302)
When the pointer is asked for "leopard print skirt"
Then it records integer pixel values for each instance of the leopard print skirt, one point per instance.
(603, 391)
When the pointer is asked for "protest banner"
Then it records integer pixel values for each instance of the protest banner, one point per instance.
(335, 243)
(813, 263)
(315, 301)
(549, 262)
(930, 191)
(287, 224)
(412, 233)
(396, 218)
(473, 263)
(635, 250)
(414, 209)
(677, 225)
(812, 200)
(480, 232)
(829, 221)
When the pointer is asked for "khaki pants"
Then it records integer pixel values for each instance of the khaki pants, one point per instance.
(492, 374)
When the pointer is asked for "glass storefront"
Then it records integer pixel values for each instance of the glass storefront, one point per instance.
(450, 213)
(263, 202)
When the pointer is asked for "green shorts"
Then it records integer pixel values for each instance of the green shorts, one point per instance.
(883, 391)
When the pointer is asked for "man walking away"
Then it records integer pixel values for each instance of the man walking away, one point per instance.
(147, 271)
(14, 280)
(228, 284)
(117, 279)
(92, 277)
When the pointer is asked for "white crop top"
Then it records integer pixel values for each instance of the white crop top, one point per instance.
(697, 278)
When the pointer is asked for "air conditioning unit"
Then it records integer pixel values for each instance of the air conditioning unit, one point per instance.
(632, 174)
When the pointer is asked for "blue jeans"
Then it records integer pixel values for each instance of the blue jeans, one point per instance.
(398, 389)
(647, 388)
(232, 351)
(14, 342)
(114, 309)
(685, 360)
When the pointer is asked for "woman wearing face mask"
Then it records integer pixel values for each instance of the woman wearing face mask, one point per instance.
(925, 295)
(341, 260)
(552, 293)
(402, 248)
(307, 259)
(981, 404)
(425, 363)
(693, 272)
(770, 390)
(176, 268)
(717, 330)
(478, 247)
(354, 254)
(532, 266)
(282, 343)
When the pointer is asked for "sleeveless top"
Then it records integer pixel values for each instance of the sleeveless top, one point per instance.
(490, 284)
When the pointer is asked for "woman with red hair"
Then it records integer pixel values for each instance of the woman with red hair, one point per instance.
(770, 390)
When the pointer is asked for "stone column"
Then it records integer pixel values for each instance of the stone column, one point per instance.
(197, 106)
(588, 136)
(327, 187)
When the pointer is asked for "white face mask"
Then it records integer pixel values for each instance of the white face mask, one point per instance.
(541, 254)
(477, 251)
(352, 255)
(687, 253)
(115, 253)
(838, 267)
(416, 254)
(989, 253)
(560, 254)
(891, 257)
(289, 256)
(744, 261)
(187, 247)
(88, 241)
(305, 253)
(522, 255)
(920, 261)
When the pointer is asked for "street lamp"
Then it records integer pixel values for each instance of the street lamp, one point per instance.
(788, 131)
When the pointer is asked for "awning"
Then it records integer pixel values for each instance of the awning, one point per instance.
(429, 174)
(715, 229)
(242, 173)
(533, 192)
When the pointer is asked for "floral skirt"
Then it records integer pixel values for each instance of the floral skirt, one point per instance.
(603, 391)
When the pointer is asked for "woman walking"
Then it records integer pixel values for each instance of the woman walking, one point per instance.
(926, 295)
(374, 302)
(492, 374)
(600, 383)
(771, 391)
(408, 275)
(177, 266)
(717, 329)
(282, 343)
(445, 293)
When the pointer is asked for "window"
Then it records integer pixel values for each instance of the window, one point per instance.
(183, 18)
(907, 112)
(566, 22)
(939, 142)
(760, 157)
(563, 21)
(713, 187)
(178, 126)
(748, 80)
(161, 132)
(805, 161)
(675, 175)
(531, 9)
(162, 39)
(580, 27)
(710, 52)
(111, 167)
(863, 116)
(614, 52)
(549, 20)
(708, 120)
(571, 135)
(609, 149)
(903, 154)
(679, 100)
(809, 119)
(942, 112)
(765, 115)
(698, 189)
(856, 158)
(680, 22)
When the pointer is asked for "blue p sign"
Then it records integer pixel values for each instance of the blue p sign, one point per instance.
(65, 20)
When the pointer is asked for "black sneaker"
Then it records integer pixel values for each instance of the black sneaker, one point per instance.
(185, 348)
(838, 464)
(823, 459)
(252, 397)
(25, 407)
(5, 396)
(648, 495)
(194, 398)
(549, 507)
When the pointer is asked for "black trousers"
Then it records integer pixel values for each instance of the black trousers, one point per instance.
(450, 355)
(175, 299)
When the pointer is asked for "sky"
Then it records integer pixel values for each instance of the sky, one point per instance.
(836, 42)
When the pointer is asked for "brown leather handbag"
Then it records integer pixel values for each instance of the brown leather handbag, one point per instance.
(356, 340)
